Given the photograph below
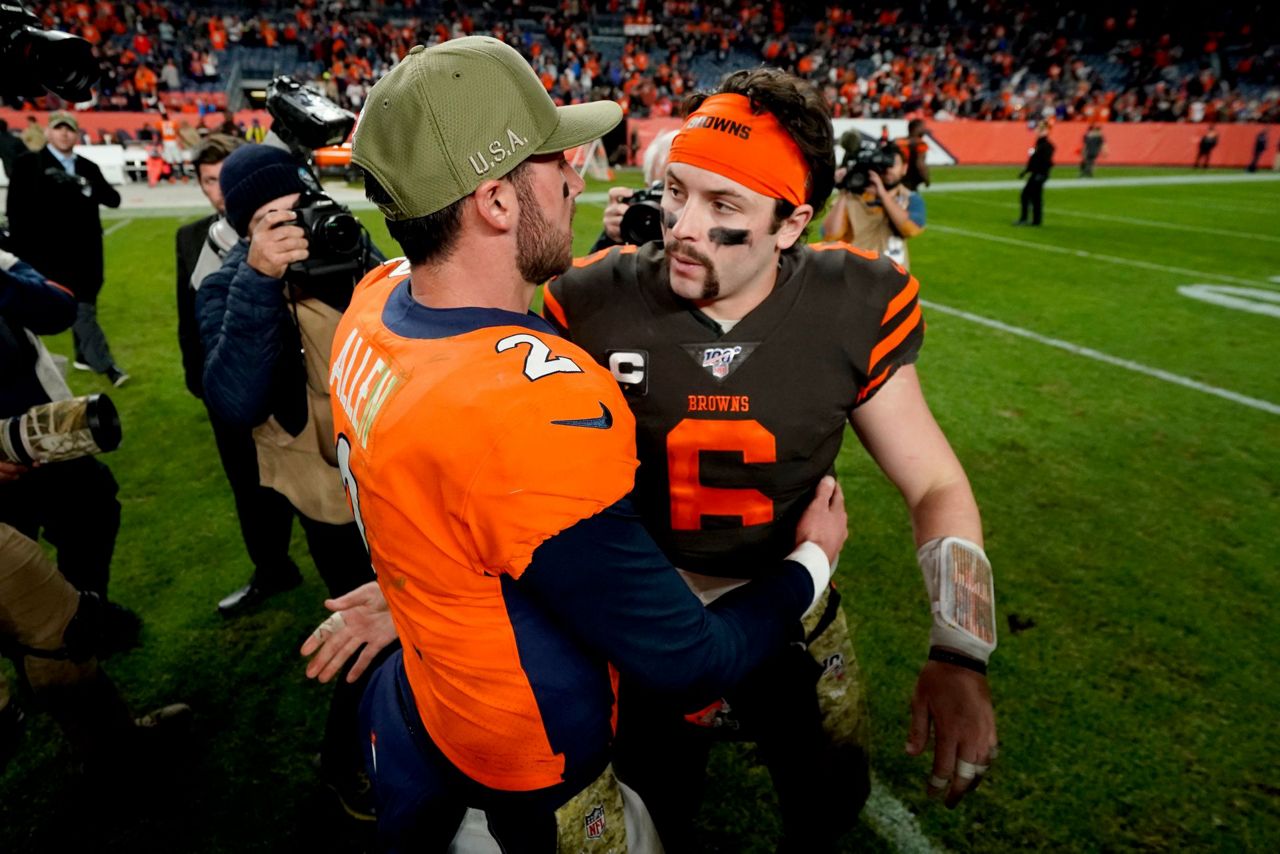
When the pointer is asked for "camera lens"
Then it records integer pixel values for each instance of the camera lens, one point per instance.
(339, 233)
(59, 61)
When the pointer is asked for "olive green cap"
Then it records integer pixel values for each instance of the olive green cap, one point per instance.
(62, 117)
(465, 111)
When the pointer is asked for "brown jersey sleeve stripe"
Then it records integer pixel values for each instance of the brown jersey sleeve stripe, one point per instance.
(894, 338)
(551, 306)
(906, 295)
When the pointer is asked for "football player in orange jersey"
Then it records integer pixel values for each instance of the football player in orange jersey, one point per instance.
(488, 463)
(743, 354)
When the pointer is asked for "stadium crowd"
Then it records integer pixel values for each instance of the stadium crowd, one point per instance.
(961, 58)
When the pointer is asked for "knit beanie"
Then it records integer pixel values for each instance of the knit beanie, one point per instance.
(253, 175)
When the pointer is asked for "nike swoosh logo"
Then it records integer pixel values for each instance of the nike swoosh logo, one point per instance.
(603, 422)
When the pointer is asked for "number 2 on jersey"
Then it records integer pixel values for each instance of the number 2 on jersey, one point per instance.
(539, 363)
(690, 500)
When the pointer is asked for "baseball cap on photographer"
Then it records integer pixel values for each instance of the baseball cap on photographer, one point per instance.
(62, 117)
(253, 175)
(465, 111)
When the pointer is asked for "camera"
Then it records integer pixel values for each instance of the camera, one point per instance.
(863, 158)
(642, 222)
(306, 120)
(60, 430)
(33, 59)
(302, 117)
(336, 252)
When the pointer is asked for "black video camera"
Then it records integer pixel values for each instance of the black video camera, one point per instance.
(306, 120)
(863, 158)
(33, 59)
(642, 222)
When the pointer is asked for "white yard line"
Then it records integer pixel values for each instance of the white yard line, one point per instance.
(1090, 353)
(1103, 183)
(894, 823)
(1128, 220)
(116, 227)
(1196, 275)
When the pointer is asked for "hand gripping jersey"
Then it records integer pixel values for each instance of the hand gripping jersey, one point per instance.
(736, 429)
(467, 437)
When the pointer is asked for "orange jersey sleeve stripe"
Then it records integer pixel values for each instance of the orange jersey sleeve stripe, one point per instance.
(894, 338)
(904, 296)
(827, 247)
(874, 384)
(625, 249)
(552, 305)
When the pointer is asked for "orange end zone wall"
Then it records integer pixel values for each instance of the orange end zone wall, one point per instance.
(1008, 143)
(95, 121)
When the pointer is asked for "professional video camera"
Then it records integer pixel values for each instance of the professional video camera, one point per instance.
(33, 59)
(642, 221)
(861, 159)
(306, 120)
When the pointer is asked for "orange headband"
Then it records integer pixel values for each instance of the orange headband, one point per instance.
(725, 137)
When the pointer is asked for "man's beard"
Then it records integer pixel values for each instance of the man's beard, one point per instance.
(541, 251)
(710, 283)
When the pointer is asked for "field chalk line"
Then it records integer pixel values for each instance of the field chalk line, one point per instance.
(1127, 364)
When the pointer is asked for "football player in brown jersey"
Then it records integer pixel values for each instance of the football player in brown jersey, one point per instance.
(743, 353)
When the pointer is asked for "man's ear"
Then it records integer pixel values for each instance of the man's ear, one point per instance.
(495, 204)
(792, 227)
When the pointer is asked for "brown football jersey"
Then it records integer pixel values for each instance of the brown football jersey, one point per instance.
(734, 430)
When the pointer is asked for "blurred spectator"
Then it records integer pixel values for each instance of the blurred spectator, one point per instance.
(1092, 147)
(33, 135)
(1039, 165)
(1204, 149)
(1259, 149)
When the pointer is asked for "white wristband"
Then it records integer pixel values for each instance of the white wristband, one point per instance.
(7, 260)
(811, 556)
(962, 599)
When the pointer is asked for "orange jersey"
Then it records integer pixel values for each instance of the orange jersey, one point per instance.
(466, 438)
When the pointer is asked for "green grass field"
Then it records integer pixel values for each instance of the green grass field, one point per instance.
(1133, 521)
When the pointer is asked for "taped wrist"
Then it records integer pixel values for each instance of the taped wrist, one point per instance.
(811, 556)
(962, 599)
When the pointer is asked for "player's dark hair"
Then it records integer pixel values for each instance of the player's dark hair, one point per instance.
(424, 239)
(801, 111)
(915, 125)
(214, 149)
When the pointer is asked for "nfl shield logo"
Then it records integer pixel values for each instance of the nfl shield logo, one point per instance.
(595, 823)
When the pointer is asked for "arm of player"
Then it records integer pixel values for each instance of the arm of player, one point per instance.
(607, 580)
(899, 432)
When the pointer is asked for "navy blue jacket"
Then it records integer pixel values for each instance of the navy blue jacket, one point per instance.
(252, 369)
(27, 301)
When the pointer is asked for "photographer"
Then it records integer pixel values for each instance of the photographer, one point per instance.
(621, 199)
(54, 196)
(873, 209)
(72, 502)
(265, 516)
(257, 313)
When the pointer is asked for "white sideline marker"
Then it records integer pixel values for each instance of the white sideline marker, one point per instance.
(894, 823)
(1111, 259)
(1090, 353)
(116, 227)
